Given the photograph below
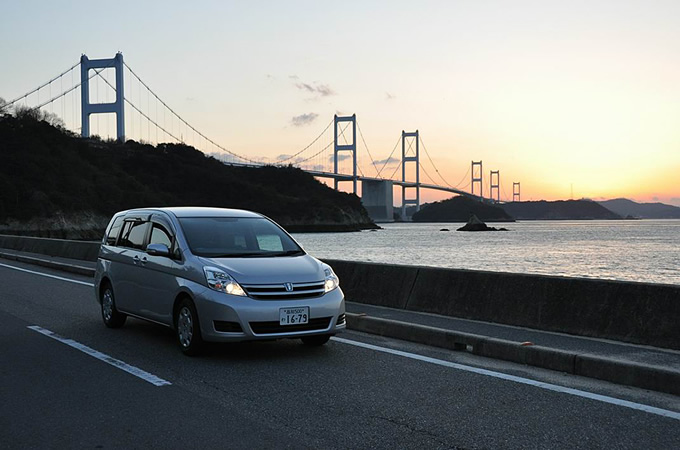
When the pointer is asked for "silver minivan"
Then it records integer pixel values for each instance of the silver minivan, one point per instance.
(215, 274)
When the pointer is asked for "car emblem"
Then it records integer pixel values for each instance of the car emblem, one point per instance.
(288, 286)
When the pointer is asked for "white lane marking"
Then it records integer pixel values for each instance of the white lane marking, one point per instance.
(136, 371)
(516, 379)
(48, 275)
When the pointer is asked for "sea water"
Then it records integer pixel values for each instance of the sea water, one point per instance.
(632, 250)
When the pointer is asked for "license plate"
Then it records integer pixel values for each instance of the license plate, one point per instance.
(294, 316)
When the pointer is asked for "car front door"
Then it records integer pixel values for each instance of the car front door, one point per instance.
(160, 284)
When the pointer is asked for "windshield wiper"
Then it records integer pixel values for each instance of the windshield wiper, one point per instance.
(289, 253)
(257, 254)
(237, 255)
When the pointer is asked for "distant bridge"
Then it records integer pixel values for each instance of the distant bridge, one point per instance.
(102, 89)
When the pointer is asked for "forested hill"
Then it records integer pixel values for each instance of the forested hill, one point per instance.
(459, 209)
(54, 183)
(558, 210)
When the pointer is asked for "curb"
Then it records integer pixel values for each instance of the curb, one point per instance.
(73, 268)
(586, 365)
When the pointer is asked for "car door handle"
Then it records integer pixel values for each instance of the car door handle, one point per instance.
(144, 260)
(135, 259)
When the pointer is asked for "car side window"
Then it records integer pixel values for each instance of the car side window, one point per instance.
(112, 236)
(159, 235)
(133, 234)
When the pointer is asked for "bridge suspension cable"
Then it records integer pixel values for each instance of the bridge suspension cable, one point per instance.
(432, 162)
(308, 146)
(21, 97)
(368, 150)
(142, 113)
(388, 160)
(427, 174)
(187, 123)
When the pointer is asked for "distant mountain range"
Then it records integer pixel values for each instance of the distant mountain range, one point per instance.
(628, 208)
(459, 209)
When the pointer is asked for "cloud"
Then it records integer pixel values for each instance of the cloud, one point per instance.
(389, 161)
(389, 96)
(316, 89)
(655, 198)
(341, 157)
(304, 119)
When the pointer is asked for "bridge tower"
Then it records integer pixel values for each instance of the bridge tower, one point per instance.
(477, 179)
(496, 185)
(116, 107)
(351, 147)
(404, 159)
(515, 192)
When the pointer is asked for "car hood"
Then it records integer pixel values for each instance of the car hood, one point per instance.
(282, 269)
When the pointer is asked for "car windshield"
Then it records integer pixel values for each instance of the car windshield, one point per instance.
(237, 237)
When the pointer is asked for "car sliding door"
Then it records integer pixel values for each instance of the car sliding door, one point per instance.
(128, 270)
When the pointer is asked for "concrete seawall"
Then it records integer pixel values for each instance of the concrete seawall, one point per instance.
(639, 313)
(84, 250)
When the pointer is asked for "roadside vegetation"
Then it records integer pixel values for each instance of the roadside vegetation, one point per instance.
(49, 177)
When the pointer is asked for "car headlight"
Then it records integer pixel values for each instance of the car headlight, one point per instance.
(219, 280)
(331, 281)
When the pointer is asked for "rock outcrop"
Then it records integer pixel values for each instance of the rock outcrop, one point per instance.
(474, 224)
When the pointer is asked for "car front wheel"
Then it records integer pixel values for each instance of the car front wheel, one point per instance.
(188, 329)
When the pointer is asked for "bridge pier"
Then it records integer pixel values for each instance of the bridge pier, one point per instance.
(116, 107)
(376, 196)
(405, 201)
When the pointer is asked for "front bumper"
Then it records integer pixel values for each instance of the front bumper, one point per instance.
(259, 319)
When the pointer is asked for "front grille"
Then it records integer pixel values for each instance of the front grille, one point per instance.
(279, 292)
(275, 327)
(227, 327)
(341, 319)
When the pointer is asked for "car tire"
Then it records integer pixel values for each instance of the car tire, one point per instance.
(188, 329)
(316, 341)
(110, 315)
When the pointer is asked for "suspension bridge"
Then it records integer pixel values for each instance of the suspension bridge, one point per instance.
(84, 97)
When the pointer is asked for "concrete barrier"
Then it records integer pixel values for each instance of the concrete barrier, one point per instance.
(640, 313)
(83, 250)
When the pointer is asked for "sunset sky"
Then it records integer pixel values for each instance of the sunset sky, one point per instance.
(561, 96)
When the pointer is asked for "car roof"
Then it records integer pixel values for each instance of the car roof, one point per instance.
(196, 211)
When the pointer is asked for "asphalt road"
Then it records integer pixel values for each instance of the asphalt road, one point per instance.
(359, 391)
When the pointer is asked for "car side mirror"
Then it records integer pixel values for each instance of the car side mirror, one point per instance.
(158, 250)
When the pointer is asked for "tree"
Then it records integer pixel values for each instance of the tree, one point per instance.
(4, 107)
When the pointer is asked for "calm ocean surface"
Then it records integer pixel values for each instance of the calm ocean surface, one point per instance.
(633, 250)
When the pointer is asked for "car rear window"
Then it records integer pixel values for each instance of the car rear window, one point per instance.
(114, 231)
